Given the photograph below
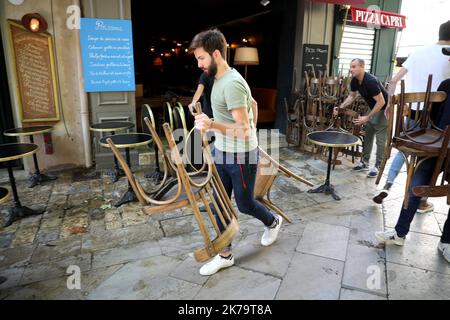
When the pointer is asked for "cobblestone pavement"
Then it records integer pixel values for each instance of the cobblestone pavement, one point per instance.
(328, 252)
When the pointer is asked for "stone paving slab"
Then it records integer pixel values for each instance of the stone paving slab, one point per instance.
(56, 289)
(365, 269)
(273, 260)
(57, 249)
(324, 240)
(236, 283)
(12, 276)
(120, 255)
(146, 279)
(419, 251)
(349, 294)
(15, 257)
(55, 268)
(311, 278)
(407, 283)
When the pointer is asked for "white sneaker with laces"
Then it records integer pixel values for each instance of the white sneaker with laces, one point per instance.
(217, 263)
(390, 237)
(444, 248)
(271, 234)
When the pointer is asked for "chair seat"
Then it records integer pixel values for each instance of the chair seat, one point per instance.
(426, 141)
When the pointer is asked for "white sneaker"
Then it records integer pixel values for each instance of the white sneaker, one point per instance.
(390, 237)
(444, 248)
(271, 234)
(217, 263)
(373, 173)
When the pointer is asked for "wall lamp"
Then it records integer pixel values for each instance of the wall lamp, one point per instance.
(34, 22)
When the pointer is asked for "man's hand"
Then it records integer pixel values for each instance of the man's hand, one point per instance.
(387, 111)
(361, 120)
(191, 108)
(336, 111)
(203, 122)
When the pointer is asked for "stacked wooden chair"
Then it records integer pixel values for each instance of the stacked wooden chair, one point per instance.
(188, 189)
(415, 135)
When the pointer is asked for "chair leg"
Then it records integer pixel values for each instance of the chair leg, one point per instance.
(410, 172)
(336, 153)
(387, 154)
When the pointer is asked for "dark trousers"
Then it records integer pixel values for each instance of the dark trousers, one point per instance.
(238, 174)
(422, 176)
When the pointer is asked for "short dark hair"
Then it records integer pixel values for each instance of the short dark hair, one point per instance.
(210, 40)
(361, 62)
(444, 31)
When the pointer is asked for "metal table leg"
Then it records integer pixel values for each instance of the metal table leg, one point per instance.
(38, 177)
(327, 188)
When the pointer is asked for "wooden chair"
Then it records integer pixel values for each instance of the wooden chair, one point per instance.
(442, 190)
(293, 122)
(146, 112)
(420, 139)
(268, 171)
(187, 189)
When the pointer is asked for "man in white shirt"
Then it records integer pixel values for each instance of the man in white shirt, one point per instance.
(420, 63)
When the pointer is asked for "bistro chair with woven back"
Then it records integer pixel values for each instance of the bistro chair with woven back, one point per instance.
(414, 134)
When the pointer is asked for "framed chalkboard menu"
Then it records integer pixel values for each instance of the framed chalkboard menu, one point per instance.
(35, 73)
(315, 58)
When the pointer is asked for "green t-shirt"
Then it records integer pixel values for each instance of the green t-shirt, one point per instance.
(230, 92)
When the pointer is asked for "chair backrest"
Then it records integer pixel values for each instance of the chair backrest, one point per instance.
(331, 87)
(412, 111)
(219, 201)
(147, 112)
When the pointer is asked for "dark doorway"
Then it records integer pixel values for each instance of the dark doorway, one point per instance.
(162, 32)
(6, 117)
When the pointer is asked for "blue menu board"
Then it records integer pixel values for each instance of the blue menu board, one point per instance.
(107, 54)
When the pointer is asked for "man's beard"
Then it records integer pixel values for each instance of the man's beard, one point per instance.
(212, 69)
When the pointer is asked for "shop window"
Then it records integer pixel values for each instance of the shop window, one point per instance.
(357, 42)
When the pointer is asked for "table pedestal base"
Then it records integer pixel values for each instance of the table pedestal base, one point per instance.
(155, 176)
(327, 189)
(129, 196)
(115, 174)
(16, 213)
(38, 178)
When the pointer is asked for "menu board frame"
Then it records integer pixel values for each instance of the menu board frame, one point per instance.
(23, 103)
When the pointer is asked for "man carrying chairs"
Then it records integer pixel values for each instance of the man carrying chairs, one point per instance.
(236, 141)
(422, 183)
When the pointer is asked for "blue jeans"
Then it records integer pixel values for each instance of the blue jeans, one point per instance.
(399, 160)
(422, 176)
(446, 231)
(395, 167)
(238, 173)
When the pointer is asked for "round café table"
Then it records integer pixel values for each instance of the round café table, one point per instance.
(37, 177)
(331, 139)
(112, 127)
(127, 141)
(8, 153)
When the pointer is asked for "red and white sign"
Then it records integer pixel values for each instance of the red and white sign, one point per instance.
(378, 18)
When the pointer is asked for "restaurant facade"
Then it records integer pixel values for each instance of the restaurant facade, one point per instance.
(67, 106)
